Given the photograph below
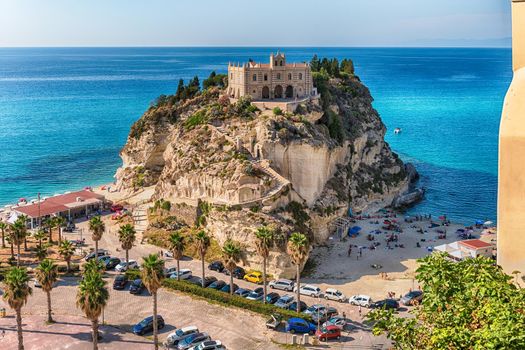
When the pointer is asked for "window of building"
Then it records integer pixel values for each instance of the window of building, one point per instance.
(278, 76)
(254, 91)
(281, 63)
(231, 76)
(300, 76)
(255, 77)
(265, 77)
(289, 76)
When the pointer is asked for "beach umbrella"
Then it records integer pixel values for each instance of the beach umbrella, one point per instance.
(479, 222)
(442, 217)
(488, 223)
(22, 200)
(354, 230)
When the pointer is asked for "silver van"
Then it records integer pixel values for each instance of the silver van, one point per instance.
(282, 284)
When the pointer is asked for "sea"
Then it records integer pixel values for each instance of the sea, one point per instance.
(65, 113)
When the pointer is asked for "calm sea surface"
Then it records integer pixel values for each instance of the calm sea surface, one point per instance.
(66, 112)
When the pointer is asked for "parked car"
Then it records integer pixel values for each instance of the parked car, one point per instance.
(254, 277)
(328, 332)
(285, 301)
(242, 292)
(146, 325)
(136, 286)
(308, 289)
(256, 294)
(274, 321)
(326, 314)
(174, 338)
(412, 298)
(169, 271)
(238, 272)
(120, 282)
(302, 306)
(315, 309)
(282, 284)
(216, 266)
(103, 259)
(386, 304)
(208, 345)
(116, 207)
(112, 263)
(198, 281)
(272, 297)
(100, 253)
(337, 321)
(183, 273)
(334, 294)
(217, 285)
(226, 288)
(124, 266)
(363, 300)
(70, 227)
(192, 340)
(298, 325)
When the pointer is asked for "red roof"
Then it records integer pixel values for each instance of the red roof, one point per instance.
(58, 204)
(475, 244)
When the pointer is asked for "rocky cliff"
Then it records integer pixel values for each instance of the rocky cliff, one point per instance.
(251, 166)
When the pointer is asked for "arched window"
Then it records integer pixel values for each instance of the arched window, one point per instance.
(278, 76)
(266, 77)
(289, 76)
(281, 63)
(255, 77)
(300, 76)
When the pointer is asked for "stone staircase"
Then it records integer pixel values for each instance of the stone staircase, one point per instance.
(140, 219)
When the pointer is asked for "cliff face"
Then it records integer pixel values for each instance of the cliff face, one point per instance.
(295, 171)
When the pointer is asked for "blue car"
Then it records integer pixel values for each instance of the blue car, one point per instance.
(242, 292)
(146, 325)
(298, 325)
(226, 288)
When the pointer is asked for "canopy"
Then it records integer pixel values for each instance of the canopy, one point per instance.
(479, 222)
(354, 230)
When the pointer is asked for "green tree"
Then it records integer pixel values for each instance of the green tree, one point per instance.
(50, 224)
(264, 241)
(97, 228)
(347, 66)
(16, 293)
(46, 274)
(180, 94)
(315, 64)
(60, 222)
(127, 236)
(92, 297)
(41, 252)
(18, 234)
(231, 253)
(202, 243)
(152, 276)
(298, 247)
(40, 235)
(3, 228)
(66, 249)
(177, 244)
(471, 304)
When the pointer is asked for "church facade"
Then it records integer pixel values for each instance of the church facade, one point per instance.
(276, 80)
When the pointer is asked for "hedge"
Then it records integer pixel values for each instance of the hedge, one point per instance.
(226, 299)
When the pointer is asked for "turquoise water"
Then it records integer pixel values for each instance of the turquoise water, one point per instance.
(65, 112)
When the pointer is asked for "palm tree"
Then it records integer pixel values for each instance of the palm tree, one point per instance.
(264, 241)
(50, 224)
(40, 235)
(298, 250)
(92, 297)
(97, 228)
(202, 242)
(152, 276)
(177, 244)
(18, 233)
(16, 293)
(66, 251)
(231, 253)
(3, 227)
(60, 222)
(46, 274)
(127, 236)
(94, 265)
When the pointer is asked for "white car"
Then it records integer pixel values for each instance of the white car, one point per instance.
(179, 334)
(169, 271)
(310, 290)
(208, 345)
(282, 284)
(338, 321)
(183, 273)
(315, 309)
(123, 266)
(334, 294)
(363, 300)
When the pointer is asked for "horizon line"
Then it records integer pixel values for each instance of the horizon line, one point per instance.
(260, 46)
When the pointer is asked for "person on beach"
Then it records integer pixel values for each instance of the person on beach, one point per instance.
(349, 250)
(360, 311)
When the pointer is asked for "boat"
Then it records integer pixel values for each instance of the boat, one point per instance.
(397, 130)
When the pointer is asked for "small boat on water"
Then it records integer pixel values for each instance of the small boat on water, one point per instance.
(397, 130)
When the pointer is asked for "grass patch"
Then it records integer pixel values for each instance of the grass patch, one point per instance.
(225, 299)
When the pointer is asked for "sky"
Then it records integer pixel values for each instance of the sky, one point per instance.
(254, 23)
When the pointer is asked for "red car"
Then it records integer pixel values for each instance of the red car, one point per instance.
(116, 207)
(328, 332)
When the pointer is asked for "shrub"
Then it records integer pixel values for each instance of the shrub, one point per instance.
(226, 299)
(277, 111)
(195, 119)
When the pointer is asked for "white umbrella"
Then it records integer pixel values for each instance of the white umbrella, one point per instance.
(488, 223)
